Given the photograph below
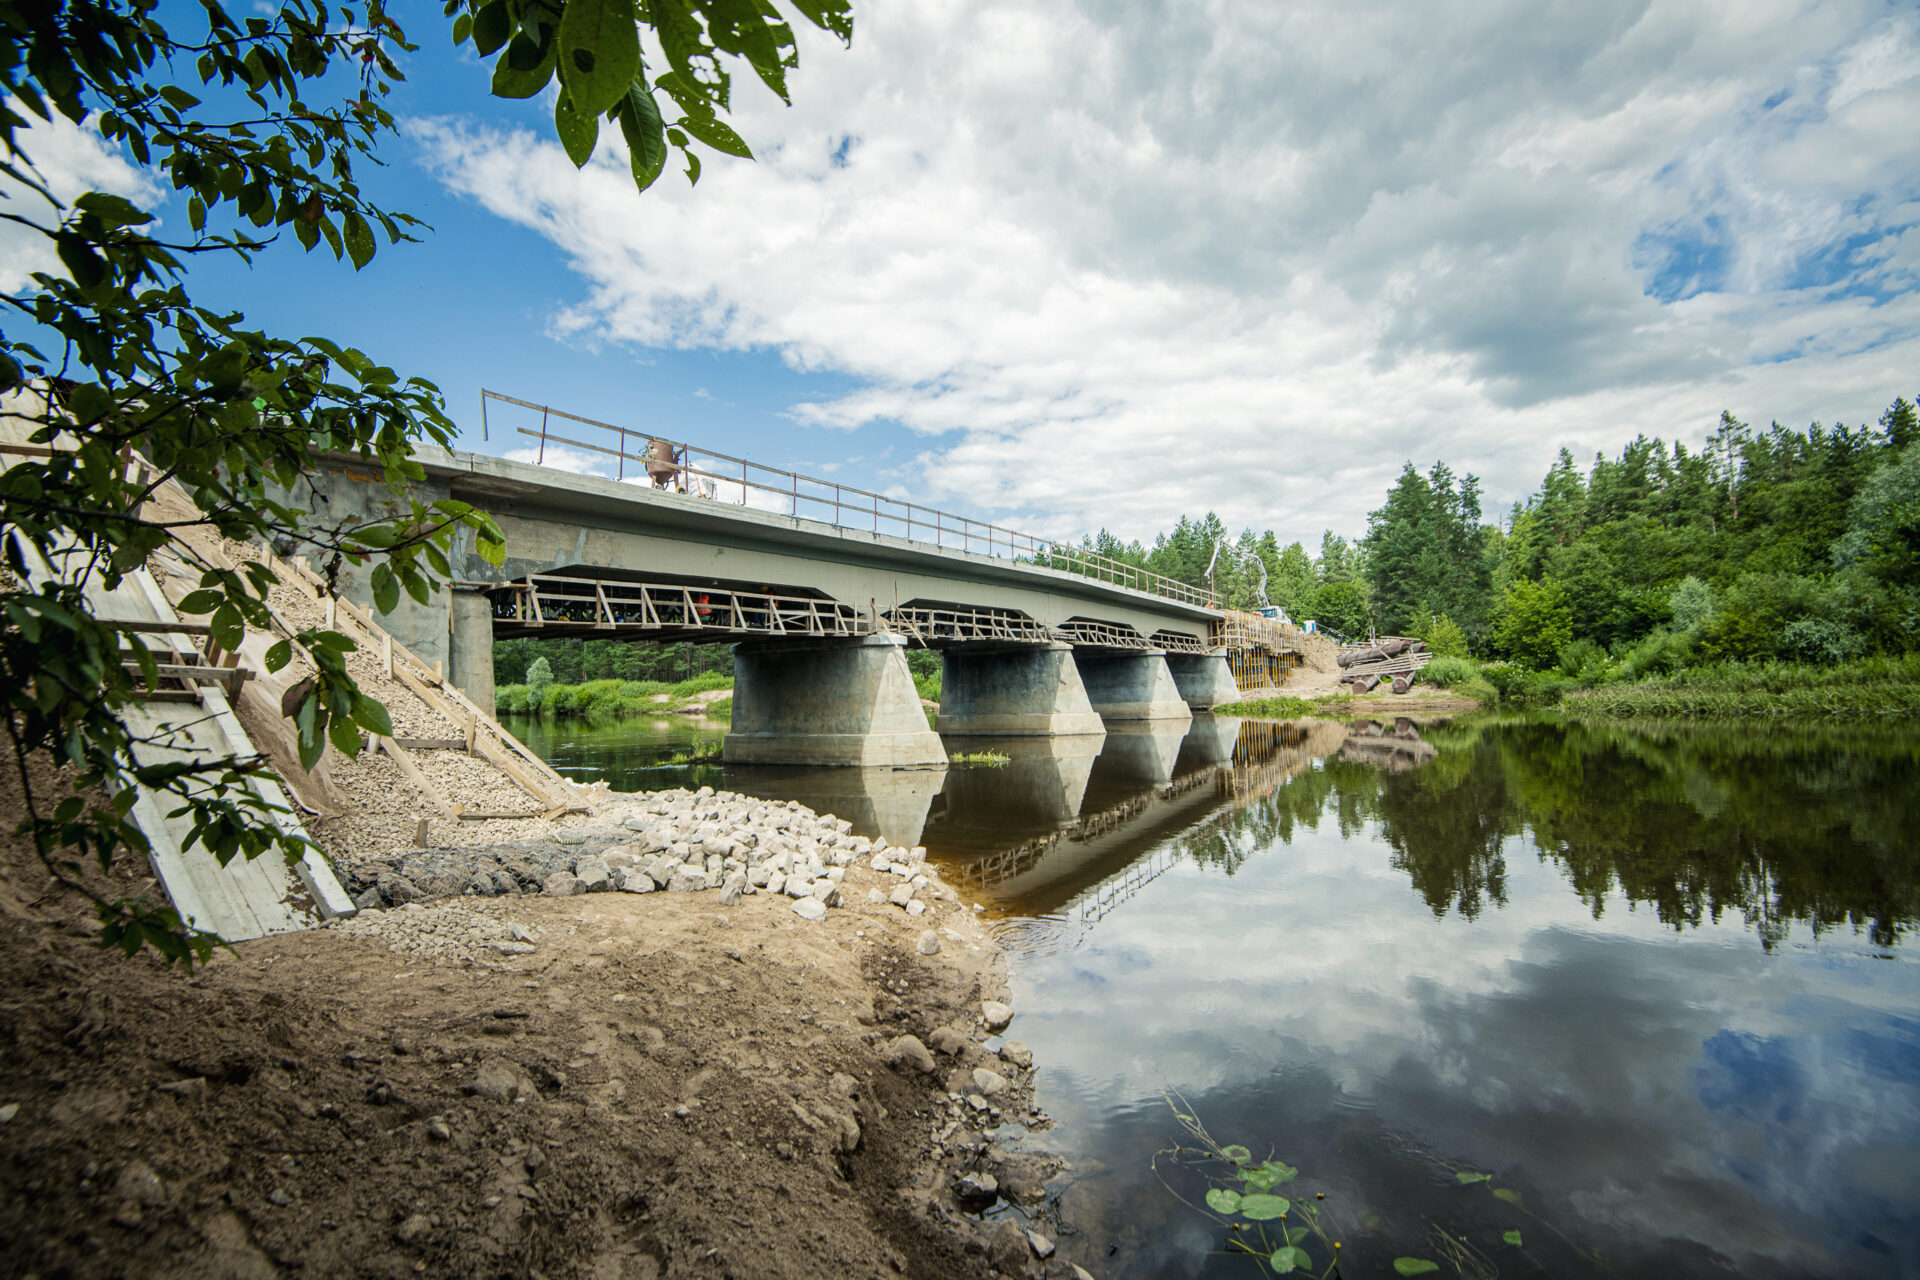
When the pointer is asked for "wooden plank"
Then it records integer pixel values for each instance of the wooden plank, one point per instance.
(401, 757)
(158, 628)
(434, 744)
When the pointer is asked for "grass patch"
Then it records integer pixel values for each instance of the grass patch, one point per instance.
(1280, 708)
(990, 759)
(1870, 688)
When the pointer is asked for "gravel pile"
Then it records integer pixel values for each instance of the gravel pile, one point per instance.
(670, 841)
(443, 934)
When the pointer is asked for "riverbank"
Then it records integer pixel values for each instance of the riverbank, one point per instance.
(564, 1083)
(707, 695)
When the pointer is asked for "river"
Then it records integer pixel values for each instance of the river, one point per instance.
(1658, 983)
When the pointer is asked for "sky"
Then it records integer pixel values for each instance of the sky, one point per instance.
(1074, 266)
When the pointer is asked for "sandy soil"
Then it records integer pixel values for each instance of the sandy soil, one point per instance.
(661, 1087)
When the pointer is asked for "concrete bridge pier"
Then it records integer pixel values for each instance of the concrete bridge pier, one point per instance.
(1034, 691)
(1205, 680)
(828, 702)
(470, 647)
(1131, 685)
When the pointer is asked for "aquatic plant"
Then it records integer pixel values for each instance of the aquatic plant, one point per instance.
(1284, 1234)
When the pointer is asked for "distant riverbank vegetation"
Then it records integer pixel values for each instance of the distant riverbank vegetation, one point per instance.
(542, 695)
(1760, 572)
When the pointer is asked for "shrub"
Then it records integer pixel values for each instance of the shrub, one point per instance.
(1660, 653)
(1584, 661)
(1692, 604)
(539, 674)
(1534, 623)
(1445, 638)
(928, 686)
(1450, 672)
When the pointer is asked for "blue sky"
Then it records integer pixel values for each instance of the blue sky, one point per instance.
(1102, 265)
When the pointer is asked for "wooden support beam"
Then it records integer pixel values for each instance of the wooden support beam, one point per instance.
(418, 779)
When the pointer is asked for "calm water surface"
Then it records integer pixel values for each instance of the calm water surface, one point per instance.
(1660, 984)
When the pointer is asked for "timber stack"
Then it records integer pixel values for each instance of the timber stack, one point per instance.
(1383, 659)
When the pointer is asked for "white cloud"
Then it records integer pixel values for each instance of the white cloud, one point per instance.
(69, 160)
(1123, 264)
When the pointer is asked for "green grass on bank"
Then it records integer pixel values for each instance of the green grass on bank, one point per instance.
(1283, 708)
(1881, 688)
(610, 699)
(1867, 688)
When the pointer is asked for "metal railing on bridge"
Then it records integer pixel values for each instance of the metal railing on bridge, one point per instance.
(722, 477)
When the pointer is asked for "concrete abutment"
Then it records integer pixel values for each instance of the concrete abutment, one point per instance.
(828, 702)
(1034, 691)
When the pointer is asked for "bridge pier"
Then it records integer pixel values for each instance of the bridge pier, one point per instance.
(1130, 685)
(1026, 692)
(470, 647)
(828, 702)
(1204, 680)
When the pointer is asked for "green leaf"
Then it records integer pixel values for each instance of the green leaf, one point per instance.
(716, 134)
(359, 238)
(386, 588)
(524, 69)
(1510, 1196)
(577, 132)
(1414, 1266)
(115, 211)
(1261, 1208)
(1258, 1179)
(1467, 1179)
(599, 52)
(1512, 1238)
(491, 27)
(1288, 1259)
(462, 27)
(372, 716)
(1280, 1169)
(1221, 1200)
(279, 654)
(639, 117)
(1236, 1153)
(228, 629)
(346, 738)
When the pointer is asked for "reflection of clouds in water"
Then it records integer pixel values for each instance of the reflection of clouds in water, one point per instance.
(1667, 1086)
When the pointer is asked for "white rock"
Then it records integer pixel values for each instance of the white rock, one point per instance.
(996, 1016)
(916, 908)
(810, 908)
(901, 896)
(776, 882)
(876, 896)
(929, 943)
(798, 886)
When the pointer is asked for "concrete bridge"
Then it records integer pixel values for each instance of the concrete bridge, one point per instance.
(820, 588)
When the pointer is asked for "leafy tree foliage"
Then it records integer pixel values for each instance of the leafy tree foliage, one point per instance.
(262, 121)
(1533, 624)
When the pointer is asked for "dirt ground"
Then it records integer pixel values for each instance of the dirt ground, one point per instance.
(660, 1087)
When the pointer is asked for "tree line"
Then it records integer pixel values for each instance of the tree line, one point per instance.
(1799, 545)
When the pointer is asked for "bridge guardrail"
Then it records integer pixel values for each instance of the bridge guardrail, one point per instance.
(682, 466)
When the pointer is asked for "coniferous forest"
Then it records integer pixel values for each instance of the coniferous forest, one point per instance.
(1795, 545)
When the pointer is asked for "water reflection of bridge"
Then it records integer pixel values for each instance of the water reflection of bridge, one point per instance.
(1141, 794)
(1069, 828)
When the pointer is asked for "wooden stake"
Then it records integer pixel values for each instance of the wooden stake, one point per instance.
(420, 834)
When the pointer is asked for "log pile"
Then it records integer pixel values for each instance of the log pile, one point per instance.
(1384, 658)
